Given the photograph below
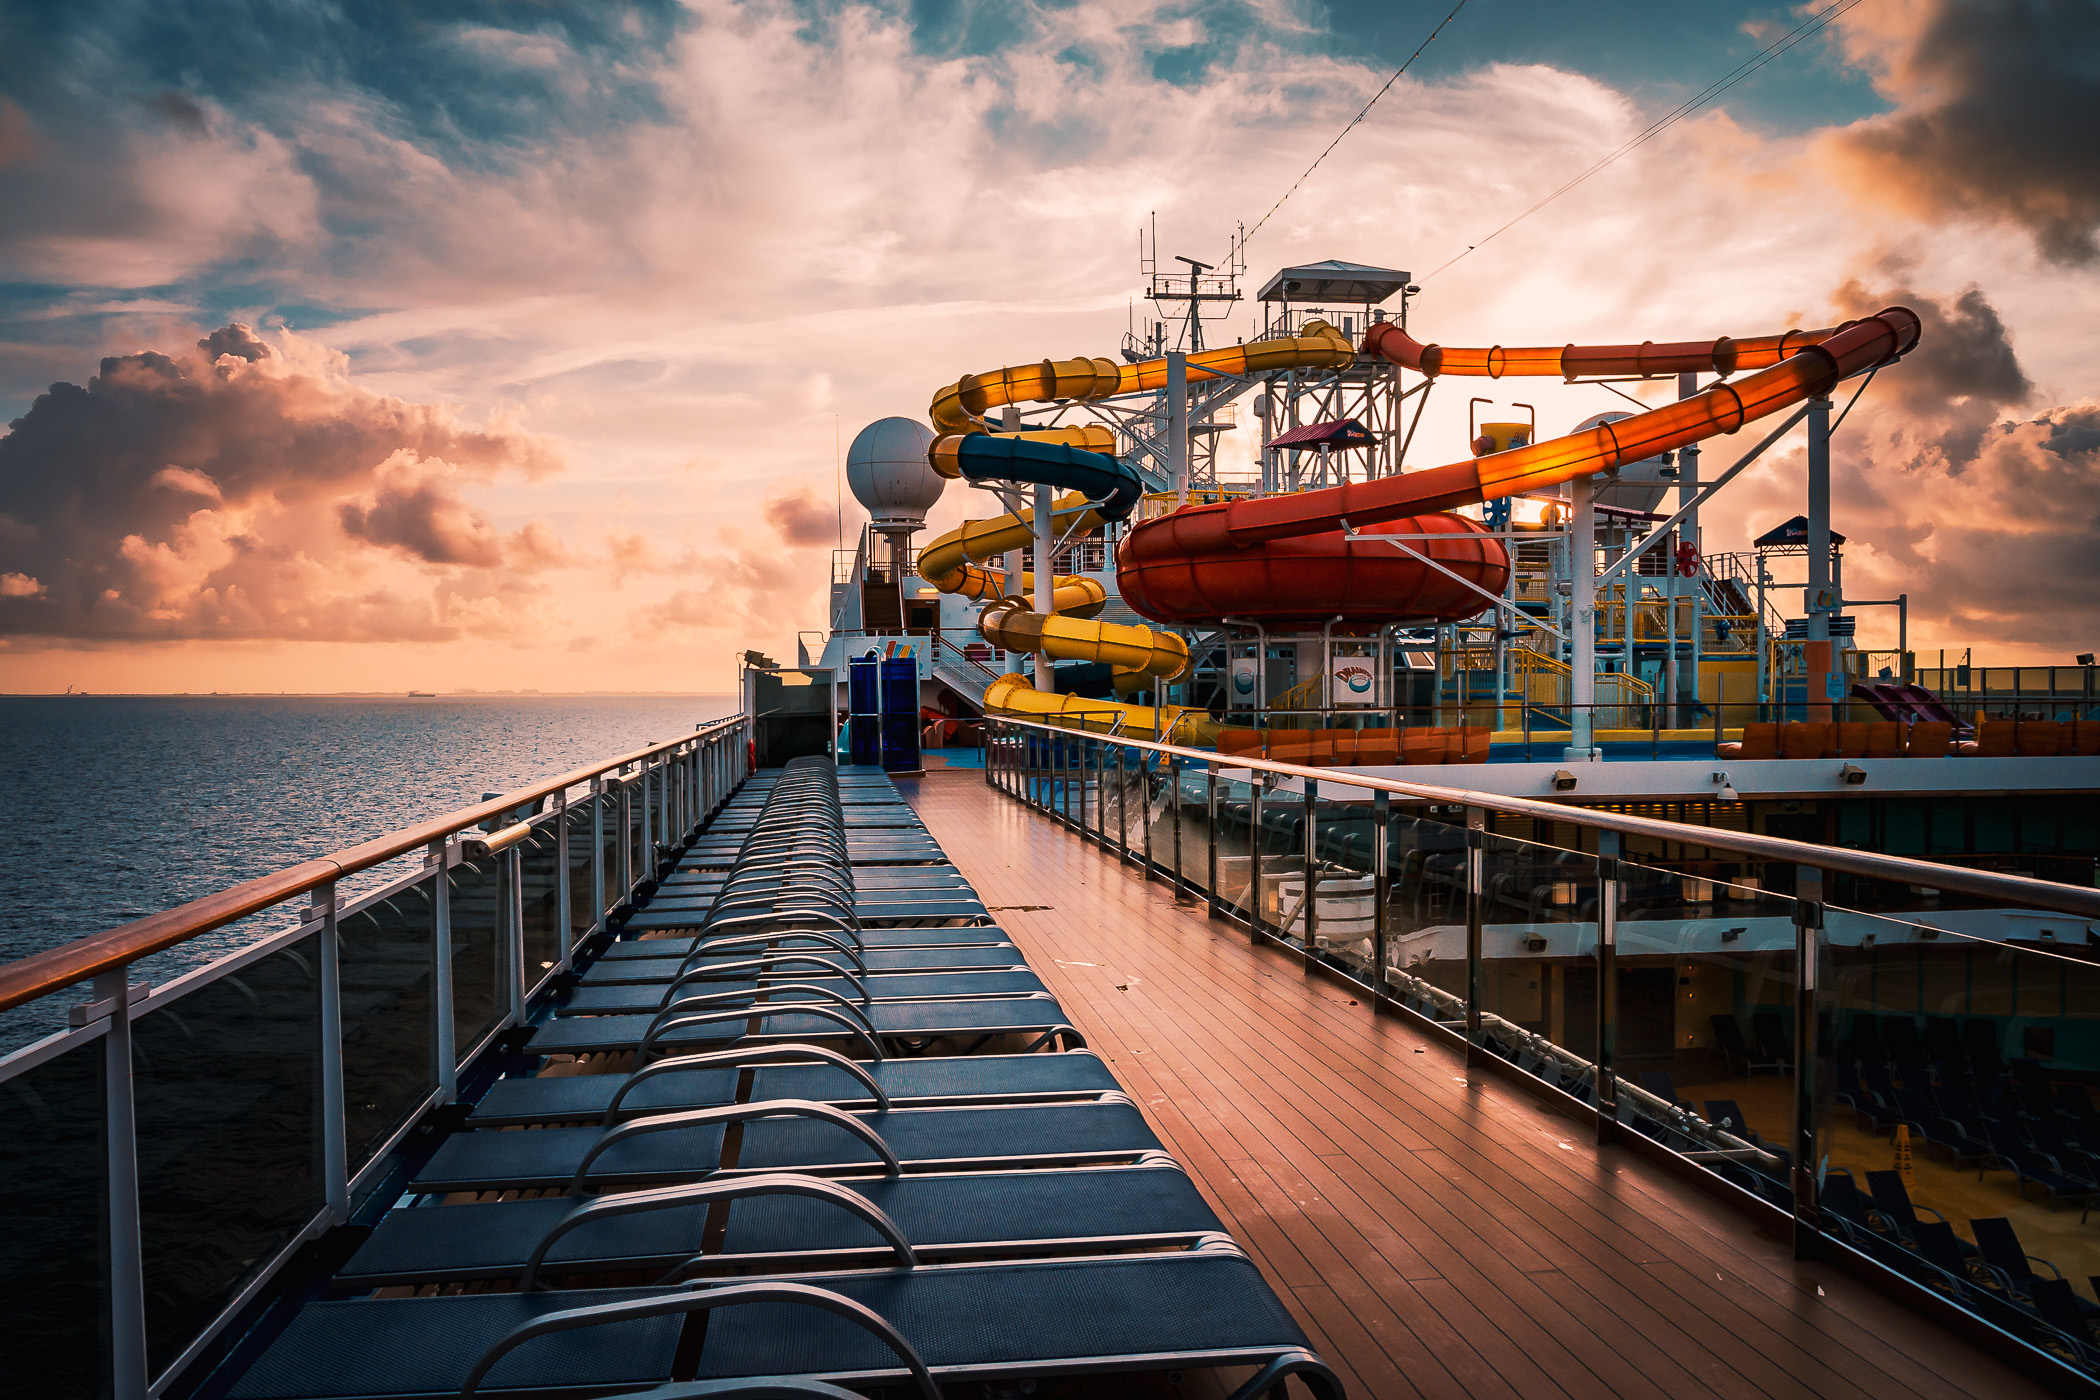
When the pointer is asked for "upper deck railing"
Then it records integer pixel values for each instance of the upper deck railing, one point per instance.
(1761, 1012)
(180, 1143)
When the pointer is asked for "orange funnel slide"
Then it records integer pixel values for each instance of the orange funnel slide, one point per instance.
(1813, 364)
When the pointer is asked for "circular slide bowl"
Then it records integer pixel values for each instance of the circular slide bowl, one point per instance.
(1183, 568)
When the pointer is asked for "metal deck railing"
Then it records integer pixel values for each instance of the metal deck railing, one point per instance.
(175, 1146)
(1829, 996)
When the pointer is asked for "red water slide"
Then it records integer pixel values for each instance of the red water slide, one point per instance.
(1177, 567)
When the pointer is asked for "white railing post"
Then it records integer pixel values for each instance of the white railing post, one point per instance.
(335, 1160)
(127, 1267)
(438, 859)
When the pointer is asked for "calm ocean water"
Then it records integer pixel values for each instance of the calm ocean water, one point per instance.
(118, 807)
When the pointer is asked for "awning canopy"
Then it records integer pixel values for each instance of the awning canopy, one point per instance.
(1341, 432)
(1794, 532)
(1321, 283)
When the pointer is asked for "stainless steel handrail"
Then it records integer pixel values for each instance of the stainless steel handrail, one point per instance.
(2012, 889)
(40, 974)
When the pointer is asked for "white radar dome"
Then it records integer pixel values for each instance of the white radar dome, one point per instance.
(887, 469)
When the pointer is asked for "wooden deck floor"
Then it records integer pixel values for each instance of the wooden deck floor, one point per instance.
(1437, 1234)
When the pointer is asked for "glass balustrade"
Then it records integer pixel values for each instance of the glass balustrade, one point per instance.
(1952, 1045)
(263, 1090)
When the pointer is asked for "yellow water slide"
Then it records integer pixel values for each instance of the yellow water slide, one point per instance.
(1141, 656)
(954, 563)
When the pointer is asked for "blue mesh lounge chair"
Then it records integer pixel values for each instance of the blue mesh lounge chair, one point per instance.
(918, 1326)
(648, 965)
(709, 1080)
(2010, 1152)
(788, 1135)
(1728, 1035)
(869, 989)
(1893, 1203)
(695, 1023)
(787, 1220)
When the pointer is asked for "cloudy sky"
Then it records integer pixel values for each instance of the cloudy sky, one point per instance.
(510, 346)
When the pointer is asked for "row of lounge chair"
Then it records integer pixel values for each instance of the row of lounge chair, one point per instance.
(1995, 1276)
(822, 1128)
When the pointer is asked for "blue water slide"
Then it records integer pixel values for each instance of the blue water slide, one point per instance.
(1116, 486)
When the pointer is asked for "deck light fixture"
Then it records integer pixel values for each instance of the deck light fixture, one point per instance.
(1730, 935)
(1728, 793)
(1563, 780)
(1852, 775)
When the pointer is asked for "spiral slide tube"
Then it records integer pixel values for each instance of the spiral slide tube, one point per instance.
(953, 563)
(1079, 459)
(1809, 369)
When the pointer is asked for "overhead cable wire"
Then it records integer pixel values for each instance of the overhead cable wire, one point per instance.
(1807, 29)
(1355, 120)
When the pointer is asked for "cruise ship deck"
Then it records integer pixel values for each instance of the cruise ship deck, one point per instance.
(1437, 1231)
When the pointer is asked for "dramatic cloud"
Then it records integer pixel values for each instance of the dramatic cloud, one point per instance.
(255, 491)
(1997, 102)
(1944, 497)
(704, 242)
(801, 519)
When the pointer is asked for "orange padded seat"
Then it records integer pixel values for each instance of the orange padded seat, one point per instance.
(1423, 746)
(1759, 741)
(1473, 745)
(1929, 738)
(1994, 738)
(1379, 747)
(1884, 739)
(2085, 737)
(2041, 738)
(1291, 745)
(1240, 741)
(1805, 740)
(1852, 740)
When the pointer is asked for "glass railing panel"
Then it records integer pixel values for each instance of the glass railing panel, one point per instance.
(1279, 861)
(539, 874)
(1234, 833)
(1703, 1022)
(385, 952)
(1343, 906)
(1425, 960)
(480, 990)
(1192, 803)
(1538, 958)
(1955, 1115)
(1115, 773)
(1162, 814)
(580, 914)
(229, 1130)
(54, 1165)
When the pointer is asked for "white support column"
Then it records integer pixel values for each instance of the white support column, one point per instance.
(1688, 532)
(127, 1273)
(1582, 620)
(1178, 424)
(1045, 536)
(1010, 420)
(1822, 600)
